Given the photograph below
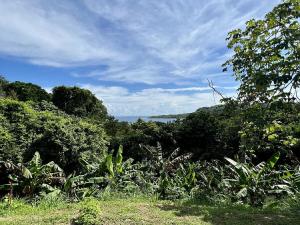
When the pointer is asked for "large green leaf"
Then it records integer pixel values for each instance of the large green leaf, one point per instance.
(273, 160)
(119, 159)
(242, 193)
(26, 172)
(232, 162)
(110, 165)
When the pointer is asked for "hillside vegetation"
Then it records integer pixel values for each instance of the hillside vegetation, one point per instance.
(63, 157)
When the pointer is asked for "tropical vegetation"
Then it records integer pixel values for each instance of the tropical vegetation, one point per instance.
(242, 153)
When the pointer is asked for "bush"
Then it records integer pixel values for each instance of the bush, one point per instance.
(27, 128)
(88, 214)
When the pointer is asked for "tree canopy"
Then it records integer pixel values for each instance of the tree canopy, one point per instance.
(26, 92)
(57, 136)
(267, 55)
(79, 102)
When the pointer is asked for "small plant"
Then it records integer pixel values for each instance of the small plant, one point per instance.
(88, 214)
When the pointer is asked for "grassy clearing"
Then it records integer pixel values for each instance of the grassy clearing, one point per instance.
(147, 211)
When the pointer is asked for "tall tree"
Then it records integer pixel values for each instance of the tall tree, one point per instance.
(266, 61)
(267, 55)
(79, 102)
(27, 92)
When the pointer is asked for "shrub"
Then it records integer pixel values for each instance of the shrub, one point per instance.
(27, 128)
(88, 214)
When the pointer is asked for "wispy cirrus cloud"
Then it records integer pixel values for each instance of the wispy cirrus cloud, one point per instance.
(53, 33)
(150, 42)
(143, 57)
(183, 38)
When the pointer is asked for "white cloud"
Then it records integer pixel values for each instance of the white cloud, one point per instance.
(179, 42)
(48, 89)
(154, 101)
(185, 37)
(159, 41)
(50, 34)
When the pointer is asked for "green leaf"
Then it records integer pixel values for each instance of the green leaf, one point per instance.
(26, 172)
(109, 165)
(273, 160)
(119, 159)
(232, 162)
(242, 193)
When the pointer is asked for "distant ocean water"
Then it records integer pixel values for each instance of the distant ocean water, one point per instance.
(132, 119)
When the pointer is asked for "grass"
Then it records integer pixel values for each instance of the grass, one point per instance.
(146, 211)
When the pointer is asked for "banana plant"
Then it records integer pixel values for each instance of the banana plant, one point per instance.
(165, 164)
(31, 178)
(43, 177)
(115, 165)
(255, 183)
(166, 168)
(98, 174)
(11, 174)
(188, 175)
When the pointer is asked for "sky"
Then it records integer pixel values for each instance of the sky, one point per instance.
(140, 57)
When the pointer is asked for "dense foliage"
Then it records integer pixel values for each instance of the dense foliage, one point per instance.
(58, 137)
(23, 91)
(266, 55)
(78, 102)
(246, 150)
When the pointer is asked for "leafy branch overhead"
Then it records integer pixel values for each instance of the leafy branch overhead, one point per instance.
(267, 55)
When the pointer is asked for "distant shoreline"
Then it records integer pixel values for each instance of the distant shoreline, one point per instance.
(132, 119)
(176, 116)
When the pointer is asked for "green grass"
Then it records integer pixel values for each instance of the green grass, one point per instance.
(147, 211)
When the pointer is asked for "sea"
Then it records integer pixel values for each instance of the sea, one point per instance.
(132, 119)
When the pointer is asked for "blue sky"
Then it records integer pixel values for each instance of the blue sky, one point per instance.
(141, 57)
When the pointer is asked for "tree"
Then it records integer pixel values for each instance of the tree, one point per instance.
(198, 134)
(26, 92)
(57, 136)
(79, 102)
(266, 62)
(267, 55)
(3, 84)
